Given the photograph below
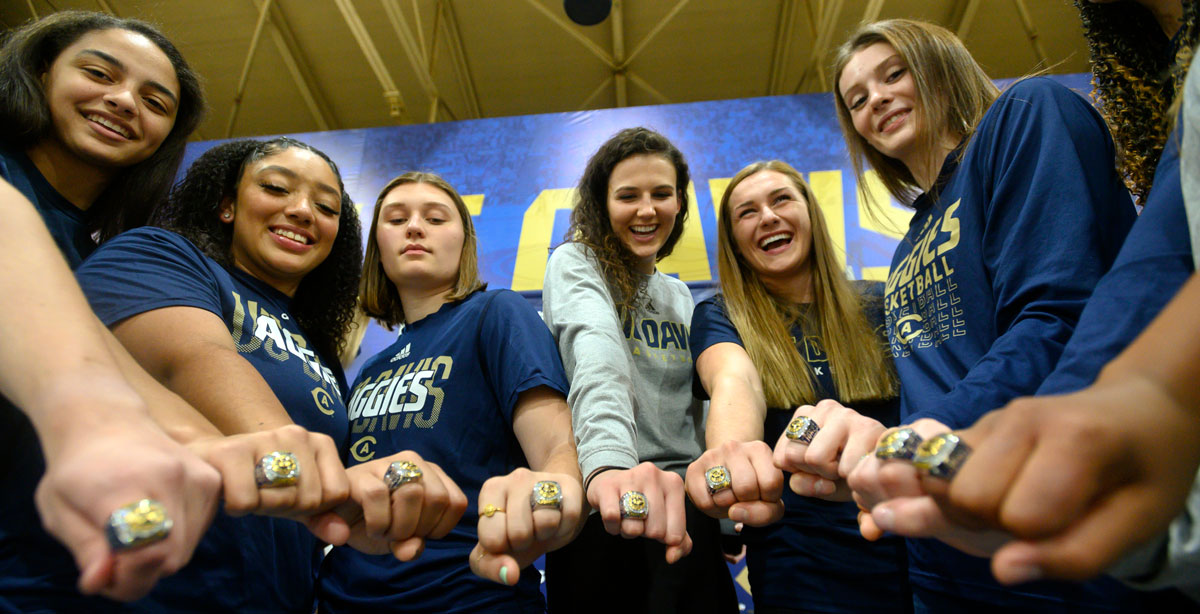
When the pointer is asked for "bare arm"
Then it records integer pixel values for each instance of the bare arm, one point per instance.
(203, 367)
(737, 410)
(101, 447)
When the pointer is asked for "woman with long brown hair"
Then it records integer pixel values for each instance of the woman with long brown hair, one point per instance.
(790, 330)
(1018, 212)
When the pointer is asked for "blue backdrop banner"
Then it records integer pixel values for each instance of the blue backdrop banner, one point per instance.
(517, 176)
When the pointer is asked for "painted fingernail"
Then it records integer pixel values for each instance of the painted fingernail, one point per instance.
(504, 575)
(884, 518)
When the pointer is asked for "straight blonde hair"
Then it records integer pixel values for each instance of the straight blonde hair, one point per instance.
(378, 296)
(953, 91)
(859, 362)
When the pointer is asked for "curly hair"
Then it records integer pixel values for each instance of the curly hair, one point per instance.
(590, 223)
(324, 303)
(1136, 75)
(28, 52)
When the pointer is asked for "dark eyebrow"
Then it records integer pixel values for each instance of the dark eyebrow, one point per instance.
(121, 66)
(324, 187)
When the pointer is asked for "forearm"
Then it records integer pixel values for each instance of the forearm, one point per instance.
(49, 329)
(178, 419)
(206, 372)
(736, 411)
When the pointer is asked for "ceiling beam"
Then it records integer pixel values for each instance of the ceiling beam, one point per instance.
(640, 82)
(653, 32)
(241, 86)
(617, 18)
(570, 29)
(1031, 31)
(459, 56)
(783, 45)
(828, 16)
(391, 94)
(871, 13)
(587, 102)
(963, 18)
(297, 65)
(414, 52)
(416, 9)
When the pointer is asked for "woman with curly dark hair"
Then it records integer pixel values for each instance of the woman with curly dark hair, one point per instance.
(1140, 52)
(622, 328)
(238, 302)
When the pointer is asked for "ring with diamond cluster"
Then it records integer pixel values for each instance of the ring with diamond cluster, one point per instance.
(634, 505)
(277, 469)
(137, 524)
(802, 429)
(400, 473)
(717, 478)
(942, 456)
(546, 494)
(898, 445)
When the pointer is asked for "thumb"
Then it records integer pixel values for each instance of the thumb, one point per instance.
(500, 568)
(756, 513)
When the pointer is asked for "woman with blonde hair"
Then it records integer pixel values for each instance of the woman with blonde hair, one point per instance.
(790, 330)
(1018, 212)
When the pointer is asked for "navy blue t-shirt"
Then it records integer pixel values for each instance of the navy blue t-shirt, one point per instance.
(64, 220)
(446, 389)
(37, 574)
(815, 550)
(989, 282)
(252, 563)
(1154, 263)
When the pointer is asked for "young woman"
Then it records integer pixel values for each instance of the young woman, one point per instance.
(97, 110)
(473, 382)
(621, 327)
(1017, 214)
(1129, 44)
(788, 329)
(239, 302)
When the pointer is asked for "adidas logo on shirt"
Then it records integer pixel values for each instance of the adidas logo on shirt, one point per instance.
(402, 354)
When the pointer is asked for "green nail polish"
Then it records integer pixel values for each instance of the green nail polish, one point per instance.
(504, 575)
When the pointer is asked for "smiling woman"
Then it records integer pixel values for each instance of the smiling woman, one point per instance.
(636, 421)
(788, 329)
(256, 258)
(1018, 212)
(99, 110)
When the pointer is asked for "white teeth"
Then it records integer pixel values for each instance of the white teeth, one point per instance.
(893, 120)
(107, 124)
(291, 235)
(776, 238)
(644, 229)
